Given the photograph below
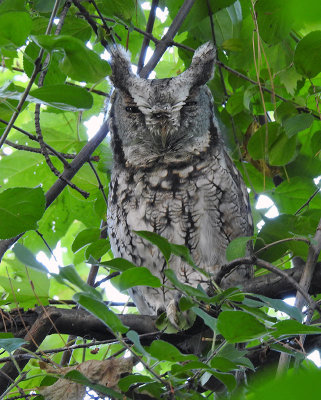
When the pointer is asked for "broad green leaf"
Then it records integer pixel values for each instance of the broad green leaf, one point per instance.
(235, 355)
(183, 252)
(234, 104)
(29, 290)
(85, 237)
(296, 124)
(125, 383)
(10, 344)
(12, 5)
(271, 143)
(15, 26)
(177, 369)
(237, 248)
(274, 20)
(137, 276)
(307, 56)
(302, 383)
(78, 377)
(238, 326)
(211, 322)
(281, 305)
(189, 290)
(21, 209)
(79, 62)
(157, 240)
(134, 337)
(120, 264)
(282, 150)
(282, 227)
(27, 258)
(262, 139)
(54, 74)
(292, 327)
(223, 364)
(64, 97)
(98, 248)
(165, 351)
(70, 274)
(228, 380)
(291, 195)
(101, 311)
(126, 10)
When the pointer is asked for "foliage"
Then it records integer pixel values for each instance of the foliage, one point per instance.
(266, 89)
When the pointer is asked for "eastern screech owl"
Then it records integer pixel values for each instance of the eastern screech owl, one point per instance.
(171, 175)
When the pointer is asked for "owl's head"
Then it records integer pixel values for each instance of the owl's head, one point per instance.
(161, 119)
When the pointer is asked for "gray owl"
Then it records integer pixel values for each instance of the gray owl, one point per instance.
(171, 175)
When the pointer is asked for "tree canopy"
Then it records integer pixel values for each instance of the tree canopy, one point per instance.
(58, 320)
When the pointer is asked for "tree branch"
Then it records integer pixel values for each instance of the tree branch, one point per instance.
(162, 45)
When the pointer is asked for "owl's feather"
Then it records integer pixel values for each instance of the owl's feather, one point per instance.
(172, 175)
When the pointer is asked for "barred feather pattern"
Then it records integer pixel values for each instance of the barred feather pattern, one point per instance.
(172, 175)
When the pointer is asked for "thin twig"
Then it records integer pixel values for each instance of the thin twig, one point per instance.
(149, 29)
(308, 201)
(100, 185)
(296, 239)
(55, 153)
(163, 44)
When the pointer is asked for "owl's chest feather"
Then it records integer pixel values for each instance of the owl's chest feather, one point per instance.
(182, 203)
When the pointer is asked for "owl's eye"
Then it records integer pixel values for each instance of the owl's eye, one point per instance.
(132, 109)
(190, 103)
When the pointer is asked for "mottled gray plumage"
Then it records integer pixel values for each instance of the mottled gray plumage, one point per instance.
(171, 175)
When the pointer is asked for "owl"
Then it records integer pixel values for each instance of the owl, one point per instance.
(172, 175)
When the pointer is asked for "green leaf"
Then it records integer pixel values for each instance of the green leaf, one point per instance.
(291, 327)
(281, 305)
(30, 289)
(125, 383)
(238, 326)
(70, 274)
(291, 195)
(10, 344)
(137, 276)
(101, 311)
(234, 104)
(296, 124)
(237, 248)
(98, 248)
(189, 290)
(165, 351)
(307, 56)
(183, 252)
(157, 240)
(274, 20)
(78, 377)
(134, 337)
(270, 140)
(79, 62)
(223, 364)
(211, 322)
(120, 264)
(15, 26)
(21, 208)
(64, 97)
(26, 257)
(85, 237)
(228, 380)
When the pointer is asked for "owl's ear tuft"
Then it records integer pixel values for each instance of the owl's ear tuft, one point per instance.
(201, 69)
(121, 67)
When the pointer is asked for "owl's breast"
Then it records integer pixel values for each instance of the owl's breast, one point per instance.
(193, 204)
